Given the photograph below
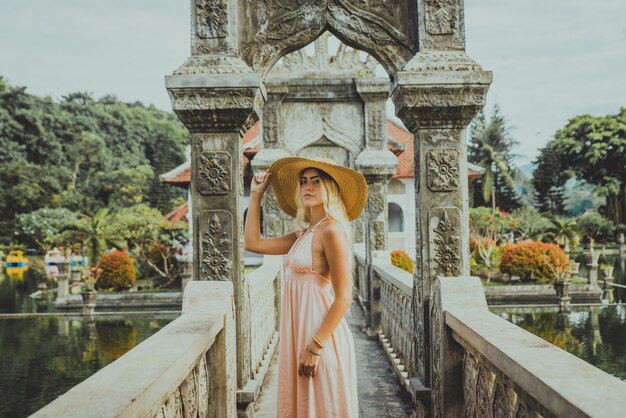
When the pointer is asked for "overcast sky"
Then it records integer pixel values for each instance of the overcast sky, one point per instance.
(552, 59)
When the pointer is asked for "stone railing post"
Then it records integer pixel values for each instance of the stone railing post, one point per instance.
(378, 167)
(217, 97)
(436, 95)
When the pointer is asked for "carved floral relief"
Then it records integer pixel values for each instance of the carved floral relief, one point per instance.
(216, 248)
(214, 172)
(443, 169)
(445, 242)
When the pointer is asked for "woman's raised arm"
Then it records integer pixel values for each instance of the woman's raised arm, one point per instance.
(252, 235)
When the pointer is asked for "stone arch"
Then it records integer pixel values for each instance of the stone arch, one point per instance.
(353, 26)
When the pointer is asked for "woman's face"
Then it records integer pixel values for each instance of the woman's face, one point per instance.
(311, 188)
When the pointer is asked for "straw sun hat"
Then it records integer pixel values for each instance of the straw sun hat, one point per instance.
(285, 180)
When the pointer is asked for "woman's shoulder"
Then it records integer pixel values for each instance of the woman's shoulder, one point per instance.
(332, 228)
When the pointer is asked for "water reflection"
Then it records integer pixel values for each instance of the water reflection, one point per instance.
(51, 354)
(18, 283)
(596, 334)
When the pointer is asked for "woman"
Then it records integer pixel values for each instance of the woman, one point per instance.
(316, 367)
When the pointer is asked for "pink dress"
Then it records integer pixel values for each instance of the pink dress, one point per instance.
(306, 298)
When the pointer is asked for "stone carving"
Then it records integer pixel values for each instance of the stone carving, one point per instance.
(443, 169)
(213, 64)
(377, 235)
(299, 27)
(346, 61)
(270, 124)
(271, 204)
(211, 110)
(211, 18)
(274, 228)
(188, 394)
(440, 107)
(203, 388)
(442, 16)
(445, 242)
(376, 126)
(357, 230)
(483, 393)
(214, 173)
(375, 204)
(178, 404)
(293, 28)
(438, 136)
(441, 61)
(360, 27)
(216, 261)
(436, 331)
(500, 406)
(522, 411)
(470, 370)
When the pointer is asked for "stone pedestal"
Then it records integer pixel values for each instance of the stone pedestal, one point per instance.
(593, 275)
(63, 282)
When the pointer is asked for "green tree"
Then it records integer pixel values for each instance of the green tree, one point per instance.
(152, 240)
(44, 227)
(490, 147)
(549, 180)
(96, 233)
(594, 149)
(564, 232)
(596, 228)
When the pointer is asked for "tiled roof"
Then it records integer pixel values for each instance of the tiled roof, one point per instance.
(405, 156)
(178, 214)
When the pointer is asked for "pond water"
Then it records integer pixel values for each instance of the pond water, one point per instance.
(18, 283)
(596, 334)
(43, 357)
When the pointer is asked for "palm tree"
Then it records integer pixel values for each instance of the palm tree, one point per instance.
(92, 229)
(490, 147)
(564, 232)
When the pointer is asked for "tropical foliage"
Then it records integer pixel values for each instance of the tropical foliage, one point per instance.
(592, 149)
(117, 271)
(490, 147)
(532, 260)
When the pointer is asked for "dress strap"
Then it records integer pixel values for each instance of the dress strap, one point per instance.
(318, 224)
(311, 243)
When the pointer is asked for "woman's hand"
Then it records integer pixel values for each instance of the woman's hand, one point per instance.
(259, 183)
(308, 363)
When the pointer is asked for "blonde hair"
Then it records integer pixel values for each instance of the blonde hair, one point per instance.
(333, 208)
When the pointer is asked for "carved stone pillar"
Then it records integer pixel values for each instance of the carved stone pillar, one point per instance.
(217, 98)
(378, 166)
(436, 95)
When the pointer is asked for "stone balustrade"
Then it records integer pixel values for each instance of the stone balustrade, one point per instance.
(397, 331)
(187, 369)
(264, 288)
(485, 366)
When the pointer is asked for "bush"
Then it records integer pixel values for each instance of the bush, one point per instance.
(532, 260)
(402, 260)
(118, 271)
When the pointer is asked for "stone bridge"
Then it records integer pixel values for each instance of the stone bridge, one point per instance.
(450, 355)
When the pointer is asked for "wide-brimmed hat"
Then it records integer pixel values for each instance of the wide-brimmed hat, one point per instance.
(285, 180)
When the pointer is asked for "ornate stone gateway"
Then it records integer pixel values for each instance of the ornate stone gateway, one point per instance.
(436, 88)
